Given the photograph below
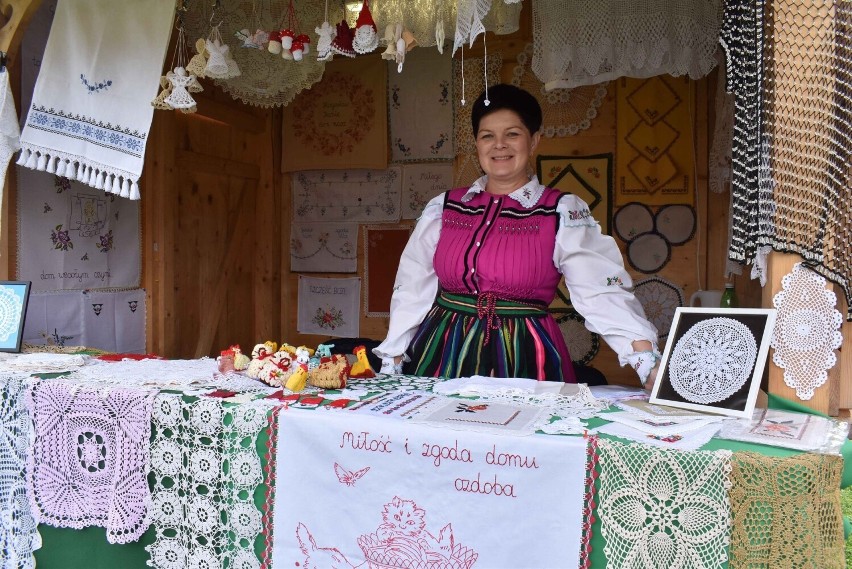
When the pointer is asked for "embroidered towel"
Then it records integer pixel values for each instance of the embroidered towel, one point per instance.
(91, 111)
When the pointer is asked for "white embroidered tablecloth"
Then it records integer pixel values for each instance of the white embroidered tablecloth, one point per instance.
(391, 492)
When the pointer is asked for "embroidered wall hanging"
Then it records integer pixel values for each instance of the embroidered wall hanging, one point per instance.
(583, 345)
(382, 250)
(648, 252)
(660, 298)
(329, 307)
(676, 223)
(468, 83)
(793, 503)
(348, 195)
(342, 123)
(633, 219)
(206, 473)
(19, 535)
(324, 247)
(421, 183)
(420, 108)
(654, 136)
(588, 177)
(565, 112)
(808, 331)
(266, 80)
(112, 321)
(90, 458)
(714, 359)
(73, 237)
(663, 508)
(89, 118)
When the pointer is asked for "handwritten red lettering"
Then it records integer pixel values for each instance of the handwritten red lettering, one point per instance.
(439, 452)
(508, 459)
(476, 486)
(363, 441)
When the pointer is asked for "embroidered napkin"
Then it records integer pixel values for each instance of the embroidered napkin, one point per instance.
(91, 112)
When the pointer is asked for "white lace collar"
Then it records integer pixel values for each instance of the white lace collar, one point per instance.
(527, 195)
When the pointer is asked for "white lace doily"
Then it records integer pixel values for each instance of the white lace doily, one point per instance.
(807, 330)
(565, 112)
(712, 360)
(664, 509)
(660, 298)
(583, 344)
(267, 80)
(44, 362)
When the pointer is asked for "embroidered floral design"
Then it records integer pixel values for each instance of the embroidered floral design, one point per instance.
(406, 150)
(579, 214)
(417, 202)
(81, 127)
(106, 244)
(85, 257)
(61, 240)
(47, 207)
(612, 281)
(342, 139)
(61, 183)
(331, 318)
(95, 87)
(442, 138)
(594, 171)
(465, 408)
(445, 92)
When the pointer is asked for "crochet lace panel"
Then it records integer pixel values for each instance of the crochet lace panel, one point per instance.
(206, 471)
(786, 511)
(565, 112)
(267, 80)
(712, 360)
(19, 535)
(89, 461)
(807, 331)
(606, 39)
(663, 508)
(790, 67)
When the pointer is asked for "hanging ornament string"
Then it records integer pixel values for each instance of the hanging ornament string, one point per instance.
(485, 69)
(462, 74)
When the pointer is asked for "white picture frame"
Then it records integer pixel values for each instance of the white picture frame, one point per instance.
(714, 359)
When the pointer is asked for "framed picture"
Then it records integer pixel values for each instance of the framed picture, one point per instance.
(13, 309)
(714, 360)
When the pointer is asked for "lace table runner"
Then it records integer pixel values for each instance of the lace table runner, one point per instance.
(89, 461)
(19, 536)
(663, 508)
(206, 471)
(786, 511)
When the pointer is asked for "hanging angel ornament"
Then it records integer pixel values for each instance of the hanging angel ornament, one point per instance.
(159, 101)
(326, 36)
(198, 63)
(179, 81)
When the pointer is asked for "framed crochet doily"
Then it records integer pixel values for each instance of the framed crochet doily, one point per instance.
(714, 360)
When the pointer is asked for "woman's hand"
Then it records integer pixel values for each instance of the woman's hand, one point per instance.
(652, 378)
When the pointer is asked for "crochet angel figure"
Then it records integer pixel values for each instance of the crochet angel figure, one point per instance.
(326, 35)
(180, 82)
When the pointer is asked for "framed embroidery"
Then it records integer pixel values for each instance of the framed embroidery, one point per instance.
(714, 360)
(329, 307)
(13, 309)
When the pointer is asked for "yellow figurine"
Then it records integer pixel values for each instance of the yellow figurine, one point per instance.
(297, 381)
(361, 368)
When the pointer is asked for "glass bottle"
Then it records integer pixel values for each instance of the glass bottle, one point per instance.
(729, 297)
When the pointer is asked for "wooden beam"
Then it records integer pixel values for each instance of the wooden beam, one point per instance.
(236, 245)
(217, 165)
(14, 17)
(229, 114)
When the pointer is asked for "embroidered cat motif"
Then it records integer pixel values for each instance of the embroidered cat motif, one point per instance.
(401, 518)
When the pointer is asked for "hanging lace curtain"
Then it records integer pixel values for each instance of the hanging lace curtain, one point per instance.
(581, 42)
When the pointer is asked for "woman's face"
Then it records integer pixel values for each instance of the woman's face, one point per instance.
(504, 146)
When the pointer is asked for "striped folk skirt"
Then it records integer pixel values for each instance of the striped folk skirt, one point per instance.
(465, 335)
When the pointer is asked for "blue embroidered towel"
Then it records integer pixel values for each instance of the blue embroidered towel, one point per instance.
(91, 107)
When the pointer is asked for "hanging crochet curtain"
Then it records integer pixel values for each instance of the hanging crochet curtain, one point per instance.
(790, 67)
(581, 42)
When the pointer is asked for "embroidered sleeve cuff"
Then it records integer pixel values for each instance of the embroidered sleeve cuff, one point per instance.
(643, 363)
(389, 367)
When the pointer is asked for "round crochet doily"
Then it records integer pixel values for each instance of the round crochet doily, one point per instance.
(660, 298)
(648, 252)
(583, 345)
(676, 223)
(633, 219)
(807, 330)
(267, 80)
(565, 112)
(712, 360)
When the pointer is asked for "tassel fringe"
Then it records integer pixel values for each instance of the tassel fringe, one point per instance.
(73, 167)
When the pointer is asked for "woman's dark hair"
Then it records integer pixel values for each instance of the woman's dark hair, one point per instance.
(504, 96)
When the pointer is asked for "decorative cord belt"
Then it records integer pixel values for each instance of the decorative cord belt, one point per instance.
(490, 307)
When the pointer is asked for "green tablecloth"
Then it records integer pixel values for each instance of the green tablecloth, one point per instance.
(88, 548)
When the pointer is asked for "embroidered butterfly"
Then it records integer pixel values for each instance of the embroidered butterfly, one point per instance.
(347, 477)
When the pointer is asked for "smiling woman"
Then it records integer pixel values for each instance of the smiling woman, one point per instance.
(484, 262)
